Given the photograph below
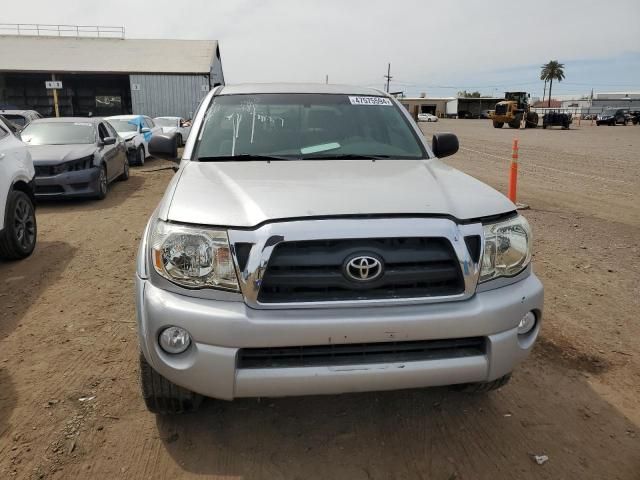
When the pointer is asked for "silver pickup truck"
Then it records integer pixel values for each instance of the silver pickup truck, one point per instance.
(312, 242)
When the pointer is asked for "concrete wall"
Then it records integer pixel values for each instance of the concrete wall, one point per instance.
(159, 95)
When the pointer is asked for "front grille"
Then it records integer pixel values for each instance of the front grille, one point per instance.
(501, 109)
(312, 271)
(49, 189)
(44, 171)
(360, 353)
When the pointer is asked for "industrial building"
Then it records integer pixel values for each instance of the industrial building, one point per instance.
(105, 76)
(452, 107)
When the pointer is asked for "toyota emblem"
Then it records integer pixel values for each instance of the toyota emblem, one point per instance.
(363, 268)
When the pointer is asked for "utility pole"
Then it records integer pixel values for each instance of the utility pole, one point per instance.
(326, 79)
(388, 76)
(55, 96)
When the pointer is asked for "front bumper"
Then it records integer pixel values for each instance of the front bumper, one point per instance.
(220, 328)
(82, 183)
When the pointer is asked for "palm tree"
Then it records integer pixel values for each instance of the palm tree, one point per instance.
(552, 71)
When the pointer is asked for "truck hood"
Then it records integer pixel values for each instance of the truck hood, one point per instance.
(245, 194)
(55, 154)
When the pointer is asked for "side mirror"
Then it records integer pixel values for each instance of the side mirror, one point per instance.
(444, 144)
(145, 130)
(108, 140)
(165, 146)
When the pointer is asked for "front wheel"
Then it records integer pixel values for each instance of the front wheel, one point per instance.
(498, 124)
(125, 170)
(18, 239)
(140, 155)
(103, 184)
(162, 396)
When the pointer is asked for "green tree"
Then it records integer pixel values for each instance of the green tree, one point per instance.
(551, 71)
(465, 94)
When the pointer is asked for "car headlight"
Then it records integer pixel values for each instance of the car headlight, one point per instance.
(73, 165)
(507, 248)
(193, 257)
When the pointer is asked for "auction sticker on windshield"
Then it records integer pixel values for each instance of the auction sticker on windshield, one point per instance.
(370, 101)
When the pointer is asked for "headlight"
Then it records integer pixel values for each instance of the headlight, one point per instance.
(507, 248)
(193, 257)
(73, 165)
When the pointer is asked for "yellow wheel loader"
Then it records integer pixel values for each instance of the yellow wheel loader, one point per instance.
(513, 110)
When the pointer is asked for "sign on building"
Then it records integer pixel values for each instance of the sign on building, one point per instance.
(53, 84)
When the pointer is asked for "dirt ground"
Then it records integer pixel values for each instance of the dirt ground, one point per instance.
(69, 400)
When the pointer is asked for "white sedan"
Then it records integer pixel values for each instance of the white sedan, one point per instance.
(136, 130)
(18, 228)
(427, 117)
(175, 124)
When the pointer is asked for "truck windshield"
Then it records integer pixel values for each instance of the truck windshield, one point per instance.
(306, 126)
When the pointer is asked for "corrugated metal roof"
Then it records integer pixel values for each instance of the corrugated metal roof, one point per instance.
(105, 55)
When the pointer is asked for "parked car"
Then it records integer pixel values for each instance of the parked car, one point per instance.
(21, 118)
(175, 124)
(427, 117)
(635, 116)
(316, 244)
(612, 116)
(18, 228)
(465, 114)
(75, 156)
(486, 113)
(136, 131)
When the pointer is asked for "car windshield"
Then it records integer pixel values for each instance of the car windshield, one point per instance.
(124, 125)
(58, 133)
(166, 122)
(301, 126)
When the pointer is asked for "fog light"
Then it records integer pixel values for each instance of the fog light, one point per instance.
(527, 323)
(174, 340)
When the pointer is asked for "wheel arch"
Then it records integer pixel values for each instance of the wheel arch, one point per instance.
(26, 187)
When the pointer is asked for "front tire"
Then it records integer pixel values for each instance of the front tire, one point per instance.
(125, 170)
(163, 397)
(18, 239)
(498, 124)
(140, 156)
(103, 184)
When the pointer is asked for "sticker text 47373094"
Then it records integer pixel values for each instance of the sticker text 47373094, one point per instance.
(370, 101)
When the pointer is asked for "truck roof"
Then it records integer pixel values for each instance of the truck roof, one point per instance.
(249, 88)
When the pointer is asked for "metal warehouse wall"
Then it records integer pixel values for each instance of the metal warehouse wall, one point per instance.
(167, 95)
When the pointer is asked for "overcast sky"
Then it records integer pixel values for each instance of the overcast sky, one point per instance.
(437, 47)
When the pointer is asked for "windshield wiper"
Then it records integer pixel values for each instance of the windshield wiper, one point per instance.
(345, 156)
(245, 157)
